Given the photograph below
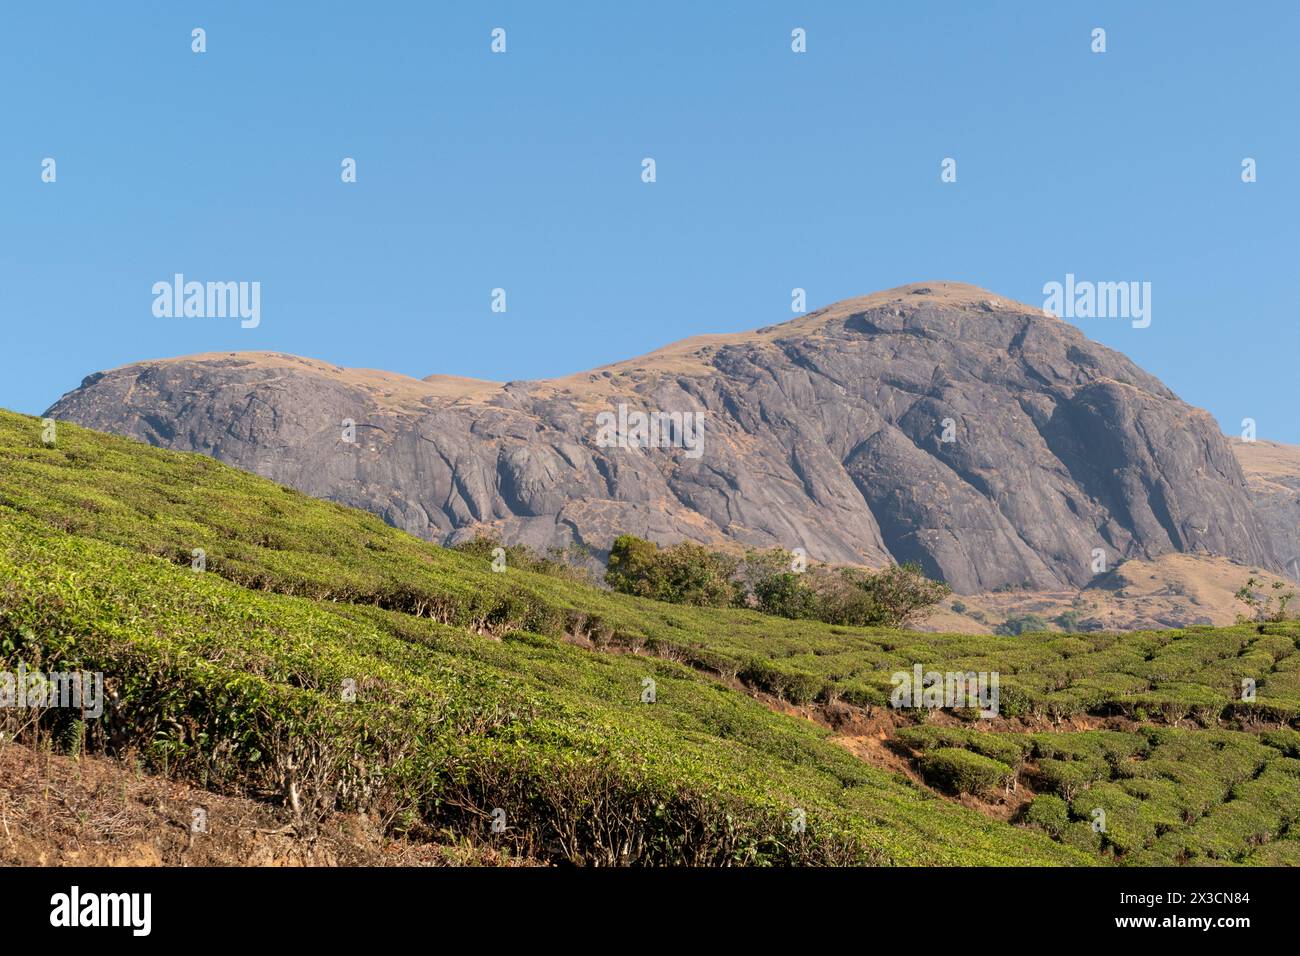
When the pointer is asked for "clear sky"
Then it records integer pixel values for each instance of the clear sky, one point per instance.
(522, 171)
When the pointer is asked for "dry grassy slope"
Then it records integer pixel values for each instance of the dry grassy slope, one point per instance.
(686, 357)
(57, 810)
(1174, 590)
(689, 356)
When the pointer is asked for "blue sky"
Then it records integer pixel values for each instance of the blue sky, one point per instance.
(522, 171)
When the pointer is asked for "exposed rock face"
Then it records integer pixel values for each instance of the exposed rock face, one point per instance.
(826, 433)
(1273, 478)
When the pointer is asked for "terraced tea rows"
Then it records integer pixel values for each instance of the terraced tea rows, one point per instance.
(228, 681)
(1159, 796)
(471, 694)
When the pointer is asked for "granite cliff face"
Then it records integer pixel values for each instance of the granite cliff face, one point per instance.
(1272, 473)
(936, 423)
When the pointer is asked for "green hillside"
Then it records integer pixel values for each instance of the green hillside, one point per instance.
(471, 693)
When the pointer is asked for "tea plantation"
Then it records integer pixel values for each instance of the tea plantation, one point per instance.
(265, 643)
(1159, 796)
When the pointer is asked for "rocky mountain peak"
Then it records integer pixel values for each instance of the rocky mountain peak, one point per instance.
(937, 422)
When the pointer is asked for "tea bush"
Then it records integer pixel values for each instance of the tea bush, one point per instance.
(963, 771)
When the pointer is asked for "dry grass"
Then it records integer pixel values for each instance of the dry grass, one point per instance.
(57, 810)
(1174, 590)
(687, 357)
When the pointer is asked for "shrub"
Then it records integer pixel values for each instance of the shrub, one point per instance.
(929, 737)
(1227, 830)
(632, 563)
(1048, 812)
(1284, 739)
(895, 596)
(902, 593)
(961, 771)
(803, 688)
(1021, 624)
(1080, 835)
(1071, 777)
(796, 687)
(686, 573)
(1261, 602)
(1008, 749)
(1070, 620)
(785, 595)
(694, 575)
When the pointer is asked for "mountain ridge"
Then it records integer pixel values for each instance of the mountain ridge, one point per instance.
(936, 422)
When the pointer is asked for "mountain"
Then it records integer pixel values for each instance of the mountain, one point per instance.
(825, 433)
